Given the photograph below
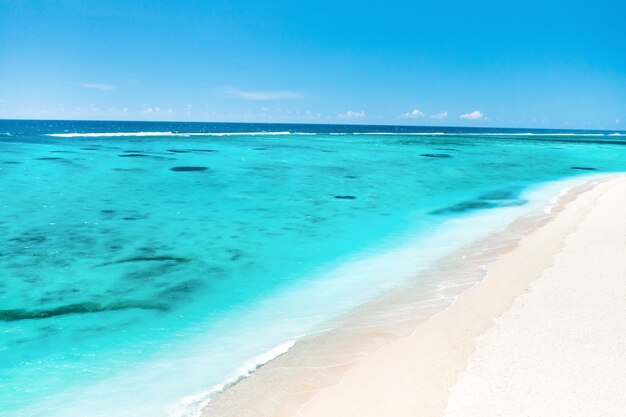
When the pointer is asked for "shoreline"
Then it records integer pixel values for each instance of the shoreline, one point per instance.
(316, 365)
(430, 361)
(560, 348)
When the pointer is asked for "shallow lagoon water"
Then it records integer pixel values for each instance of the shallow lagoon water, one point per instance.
(130, 256)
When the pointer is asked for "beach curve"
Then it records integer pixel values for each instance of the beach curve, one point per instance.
(414, 374)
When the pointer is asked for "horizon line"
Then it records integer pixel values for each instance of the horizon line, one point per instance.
(314, 124)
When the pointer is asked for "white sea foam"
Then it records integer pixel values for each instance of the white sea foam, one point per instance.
(404, 133)
(153, 134)
(567, 185)
(286, 133)
(498, 134)
(240, 134)
(192, 405)
(529, 134)
(110, 134)
(158, 387)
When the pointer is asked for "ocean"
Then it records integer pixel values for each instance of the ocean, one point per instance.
(147, 265)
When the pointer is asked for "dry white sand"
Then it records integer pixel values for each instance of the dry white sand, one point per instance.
(544, 334)
(560, 350)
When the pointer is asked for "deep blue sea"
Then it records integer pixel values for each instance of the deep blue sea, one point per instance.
(144, 262)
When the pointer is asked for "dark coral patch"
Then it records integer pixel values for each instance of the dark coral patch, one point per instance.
(235, 254)
(29, 239)
(190, 150)
(504, 197)
(436, 155)
(180, 291)
(49, 159)
(464, 207)
(162, 258)
(78, 308)
(345, 197)
(134, 155)
(140, 217)
(471, 205)
(188, 169)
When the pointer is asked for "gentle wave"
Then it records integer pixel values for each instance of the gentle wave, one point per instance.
(192, 405)
(188, 134)
(479, 134)
(152, 134)
(241, 134)
(104, 135)
(535, 134)
(405, 133)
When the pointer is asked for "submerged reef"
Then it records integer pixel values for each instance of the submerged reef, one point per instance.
(163, 258)
(191, 150)
(436, 155)
(491, 199)
(78, 308)
(188, 169)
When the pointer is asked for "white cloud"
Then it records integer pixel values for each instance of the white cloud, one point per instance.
(352, 115)
(475, 115)
(312, 115)
(150, 110)
(413, 114)
(439, 116)
(261, 95)
(96, 86)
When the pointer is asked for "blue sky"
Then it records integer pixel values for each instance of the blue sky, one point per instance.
(558, 64)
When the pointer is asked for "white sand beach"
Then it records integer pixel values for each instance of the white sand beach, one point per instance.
(542, 335)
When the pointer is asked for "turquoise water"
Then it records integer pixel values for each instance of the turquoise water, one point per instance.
(143, 262)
